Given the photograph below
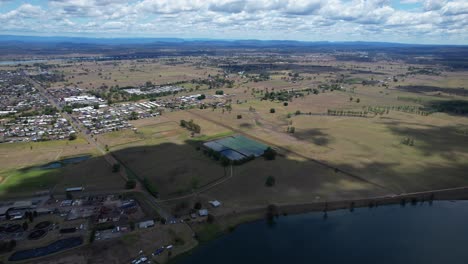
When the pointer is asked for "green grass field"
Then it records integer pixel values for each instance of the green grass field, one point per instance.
(28, 181)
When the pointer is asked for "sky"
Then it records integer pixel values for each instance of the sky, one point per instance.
(403, 21)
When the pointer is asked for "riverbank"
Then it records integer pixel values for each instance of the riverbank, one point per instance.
(228, 222)
(418, 234)
(460, 193)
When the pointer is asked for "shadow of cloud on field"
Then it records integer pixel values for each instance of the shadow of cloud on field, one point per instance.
(431, 177)
(94, 172)
(434, 140)
(178, 169)
(315, 135)
(427, 89)
(453, 107)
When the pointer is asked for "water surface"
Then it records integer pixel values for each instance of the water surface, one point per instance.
(64, 162)
(422, 233)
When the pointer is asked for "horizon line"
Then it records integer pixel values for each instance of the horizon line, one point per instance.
(194, 39)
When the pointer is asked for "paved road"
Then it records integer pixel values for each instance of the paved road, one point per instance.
(79, 128)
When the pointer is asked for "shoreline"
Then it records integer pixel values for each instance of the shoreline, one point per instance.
(460, 193)
(228, 222)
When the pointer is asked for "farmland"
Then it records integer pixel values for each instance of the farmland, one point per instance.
(337, 130)
(290, 109)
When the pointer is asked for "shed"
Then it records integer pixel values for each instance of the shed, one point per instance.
(203, 212)
(215, 203)
(146, 224)
(74, 189)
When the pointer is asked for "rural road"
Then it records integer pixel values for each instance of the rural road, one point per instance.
(202, 189)
(107, 156)
(288, 150)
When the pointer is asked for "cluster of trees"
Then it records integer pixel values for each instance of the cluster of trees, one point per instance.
(190, 125)
(333, 112)
(282, 96)
(426, 71)
(48, 110)
(298, 112)
(408, 141)
(330, 87)
(68, 109)
(216, 81)
(263, 76)
(133, 116)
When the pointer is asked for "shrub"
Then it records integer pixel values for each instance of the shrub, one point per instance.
(272, 110)
(116, 167)
(72, 136)
(269, 154)
(270, 181)
(130, 184)
(210, 219)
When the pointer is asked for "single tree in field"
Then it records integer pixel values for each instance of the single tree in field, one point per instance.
(116, 167)
(72, 136)
(269, 154)
(270, 181)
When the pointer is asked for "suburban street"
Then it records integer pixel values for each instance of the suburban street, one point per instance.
(107, 156)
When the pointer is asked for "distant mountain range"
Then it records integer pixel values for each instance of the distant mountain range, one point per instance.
(203, 42)
(13, 47)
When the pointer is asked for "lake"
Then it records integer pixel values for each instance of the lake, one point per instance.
(421, 233)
